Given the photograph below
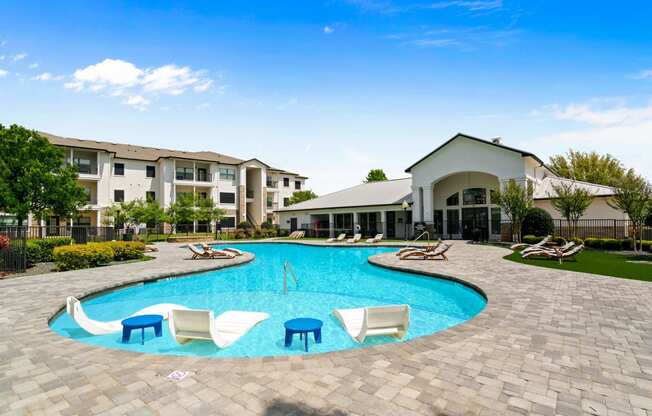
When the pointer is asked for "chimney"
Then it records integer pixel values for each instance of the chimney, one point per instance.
(497, 140)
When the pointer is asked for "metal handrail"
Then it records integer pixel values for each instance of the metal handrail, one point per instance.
(421, 235)
(287, 268)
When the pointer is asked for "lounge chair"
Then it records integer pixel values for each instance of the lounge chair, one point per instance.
(539, 244)
(300, 234)
(339, 238)
(233, 250)
(292, 234)
(558, 254)
(209, 254)
(437, 254)
(529, 251)
(189, 324)
(376, 239)
(75, 310)
(359, 323)
(426, 249)
(355, 239)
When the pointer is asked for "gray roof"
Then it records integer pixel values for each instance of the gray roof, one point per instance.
(391, 192)
(546, 188)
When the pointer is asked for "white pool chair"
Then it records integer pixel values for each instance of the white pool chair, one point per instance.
(376, 239)
(340, 237)
(355, 239)
(528, 251)
(189, 324)
(233, 250)
(539, 244)
(359, 323)
(76, 312)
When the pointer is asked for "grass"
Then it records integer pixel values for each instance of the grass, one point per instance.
(597, 262)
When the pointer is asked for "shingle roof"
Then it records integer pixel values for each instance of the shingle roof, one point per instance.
(391, 192)
(129, 151)
(546, 188)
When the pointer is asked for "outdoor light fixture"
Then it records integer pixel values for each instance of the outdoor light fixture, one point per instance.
(405, 206)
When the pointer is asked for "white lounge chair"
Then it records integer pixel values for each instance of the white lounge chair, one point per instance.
(76, 312)
(340, 237)
(376, 239)
(557, 254)
(355, 239)
(359, 323)
(539, 244)
(425, 249)
(437, 254)
(528, 251)
(189, 324)
(209, 254)
(233, 250)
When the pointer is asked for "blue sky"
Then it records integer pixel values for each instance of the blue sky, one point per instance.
(333, 88)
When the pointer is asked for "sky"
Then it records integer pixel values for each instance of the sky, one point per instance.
(333, 88)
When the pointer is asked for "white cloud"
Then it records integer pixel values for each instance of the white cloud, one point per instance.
(601, 112)
(170, 79)
(388, 7)
(46, 76)
(138, 102)
(109, 71)
(328, 30)
(645, 74)
(19, 57)
(33, 65)
(435, 42)
(3, 73)
(204, 86)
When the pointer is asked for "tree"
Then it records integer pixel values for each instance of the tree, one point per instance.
(207, 211)
(300, 196)
(571, 201)
(588, 167)
(375, 175)
(182, 211)
(34, 176)
(515, 200)
(633, 197)
(538, 222)
(147, 212)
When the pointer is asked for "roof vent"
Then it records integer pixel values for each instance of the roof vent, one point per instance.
(497, 140)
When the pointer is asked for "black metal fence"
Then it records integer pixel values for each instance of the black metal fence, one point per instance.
(80, 233)
(13, 249)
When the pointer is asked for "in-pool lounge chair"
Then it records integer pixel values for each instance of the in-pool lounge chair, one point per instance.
(209, 254)
(359, 323)
(339, 238)
(76, 312)
(539, 244)
(355, 239)
(376, 239)
(189, 324)
(437, 254)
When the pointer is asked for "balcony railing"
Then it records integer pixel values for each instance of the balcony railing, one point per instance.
(272, 184)
(87, 169)
(203, 177)
(184, 176)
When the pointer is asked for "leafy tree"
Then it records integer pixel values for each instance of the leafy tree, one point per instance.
(515, 200)
(538, 222)
(634, 198)
(588, 167)
(375, 175)
(571, 201)
(34, 176)
(120, 214)
(300, 196)
(147, 212)
(182, 210)
(207, 211)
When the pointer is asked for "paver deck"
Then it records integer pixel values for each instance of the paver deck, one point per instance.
(549, 342)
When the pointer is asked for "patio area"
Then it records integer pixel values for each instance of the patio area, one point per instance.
(549, 342)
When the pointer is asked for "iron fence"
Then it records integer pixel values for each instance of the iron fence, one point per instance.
(13, 252)
(80, 233)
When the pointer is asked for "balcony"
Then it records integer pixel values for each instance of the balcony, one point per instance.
(85, 169)
(203, 176)
(250, 194)
(184, 175)
(272, 184)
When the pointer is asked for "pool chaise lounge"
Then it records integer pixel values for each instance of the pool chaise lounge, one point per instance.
(189, 324)
(340, 237)
(533, 251)
(389, 320)
(231, 250)
(539, 244)
(376, 239)
(75, 310)
(209, 254)
(355, 239)
(437, 254)
(424, 249)
(558, 254)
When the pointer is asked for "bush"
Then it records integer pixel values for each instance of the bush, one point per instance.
(593, 242)
(538, 222)
(245, 225)
(611, 244)
(267, 225)
(4, 242)
(83, 256)
(126, 250)
(39, 251)
(531, 239)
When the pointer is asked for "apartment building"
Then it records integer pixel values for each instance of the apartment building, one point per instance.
(248, 190)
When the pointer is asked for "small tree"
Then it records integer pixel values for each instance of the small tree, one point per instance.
(182, 211)
(634, 198)
(34, 176)
(538, 222)
(300, 196)
(588, 167)
(515, 200)
(375, 175)
(571, 201)
(147, 212)
(207, 211)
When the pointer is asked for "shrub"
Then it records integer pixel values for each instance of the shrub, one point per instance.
(593, 242)
(40, 250)
(245, 225)
(4, 242)
(126, 250)
(267, 225)
(82, 256)
(538, 222)
(531, 239)
(611, 244)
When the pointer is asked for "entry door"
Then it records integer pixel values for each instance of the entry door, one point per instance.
(475, 219)
(293, 224)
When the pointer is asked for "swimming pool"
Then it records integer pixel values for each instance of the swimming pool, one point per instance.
(328, 278)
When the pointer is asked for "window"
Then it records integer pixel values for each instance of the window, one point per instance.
(184, 174)
(453, 221)
(202, 175)
(270, 201)
(286, 202)
(227, 198)
(202, 195)
(227, 174)
(227, 222)
(286, 182)
(438, 221)
(150, 196)
(83, 165)
(119, 169)
(297, 184)
(495, 221)
(83, 221)
(474, 196)
(119, 195)
(151, 171)
(453, 200)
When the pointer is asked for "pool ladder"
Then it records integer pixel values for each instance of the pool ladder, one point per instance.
(288, 269)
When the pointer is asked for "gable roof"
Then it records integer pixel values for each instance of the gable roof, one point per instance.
(487, 142)
(390, 192)
(546, 188)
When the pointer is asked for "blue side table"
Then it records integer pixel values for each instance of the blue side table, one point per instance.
(302, 326)
(141, 322)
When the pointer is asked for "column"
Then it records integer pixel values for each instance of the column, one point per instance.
(331, 225)
(356, 222)
(427, 205)
(383, 221)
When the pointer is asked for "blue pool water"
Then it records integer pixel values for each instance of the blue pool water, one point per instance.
(328, 278)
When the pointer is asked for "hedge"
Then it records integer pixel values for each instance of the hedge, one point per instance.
(39, 251)
(84, 256)
(127, 250)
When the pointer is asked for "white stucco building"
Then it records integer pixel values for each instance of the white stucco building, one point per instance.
(449, 191)
(111, 172)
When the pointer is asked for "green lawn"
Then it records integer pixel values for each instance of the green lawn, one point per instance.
(597, 262)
